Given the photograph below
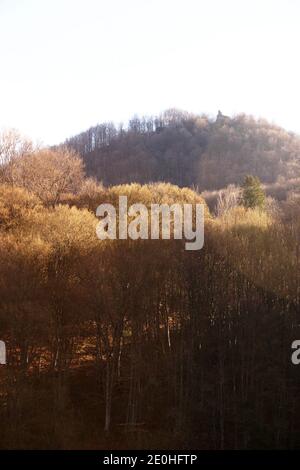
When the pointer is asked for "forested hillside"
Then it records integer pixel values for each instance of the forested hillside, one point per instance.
(140, 343)
(189, 150)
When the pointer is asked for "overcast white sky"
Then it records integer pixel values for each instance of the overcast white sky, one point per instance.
(66, 65)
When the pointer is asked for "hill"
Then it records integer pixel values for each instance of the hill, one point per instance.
(189, 150)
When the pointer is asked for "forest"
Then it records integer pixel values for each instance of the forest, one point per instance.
(190, 150)
(127, 344)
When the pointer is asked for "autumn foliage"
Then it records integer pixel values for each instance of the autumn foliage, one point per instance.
(126, 344)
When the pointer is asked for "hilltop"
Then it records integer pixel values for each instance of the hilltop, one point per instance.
(189, 150)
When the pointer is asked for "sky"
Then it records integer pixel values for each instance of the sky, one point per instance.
(66, 65)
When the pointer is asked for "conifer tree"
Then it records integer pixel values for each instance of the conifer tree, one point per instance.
(253, 194)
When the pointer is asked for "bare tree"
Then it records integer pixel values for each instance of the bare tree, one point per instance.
(228, 198)
(12, 146)
(49, 173)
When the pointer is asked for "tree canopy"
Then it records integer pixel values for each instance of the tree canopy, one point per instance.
(187, 149)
